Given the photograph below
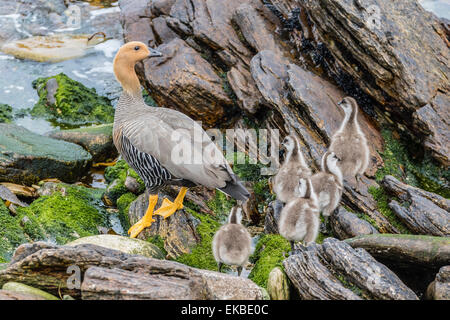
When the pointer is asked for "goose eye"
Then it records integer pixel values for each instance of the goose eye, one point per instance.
(136, 48)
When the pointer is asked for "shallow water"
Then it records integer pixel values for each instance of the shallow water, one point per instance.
(94, 70)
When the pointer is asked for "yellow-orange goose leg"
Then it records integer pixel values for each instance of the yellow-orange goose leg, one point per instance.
(146, 220)
(168, 207)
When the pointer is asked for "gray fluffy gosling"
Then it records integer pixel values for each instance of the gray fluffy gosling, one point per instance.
(231, 244)
(300, 220)
(328, 184)
(294, 167)
(350, 144)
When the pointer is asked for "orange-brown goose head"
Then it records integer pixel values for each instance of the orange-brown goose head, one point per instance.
(126, 58)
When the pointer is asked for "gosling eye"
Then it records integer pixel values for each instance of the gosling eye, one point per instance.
(137, 48)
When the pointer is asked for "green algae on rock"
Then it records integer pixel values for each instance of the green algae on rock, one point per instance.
(201, 255)
(23, 288)
(116, 176)
(123, 204)
(26, 157)
(123, 244)
(69, 102)
(67, 214)
(97, 140)
(11, 233)
(6, 113)
(270, 252)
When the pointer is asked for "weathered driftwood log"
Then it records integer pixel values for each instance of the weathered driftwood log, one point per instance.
(423, 212)
(110, 274)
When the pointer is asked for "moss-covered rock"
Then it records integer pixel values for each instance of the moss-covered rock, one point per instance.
(201, 255)
(123, 204)
(419, 171)
(11, 233)
(69, 213)
(6, 113)
(97, 140)
(116, 176)
(270, 252)
(26, 157)
(67, 101)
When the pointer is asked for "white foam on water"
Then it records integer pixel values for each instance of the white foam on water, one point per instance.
(109, 48)
(107, 68)
(79, 74)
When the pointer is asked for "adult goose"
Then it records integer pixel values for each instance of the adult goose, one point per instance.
(150, 139)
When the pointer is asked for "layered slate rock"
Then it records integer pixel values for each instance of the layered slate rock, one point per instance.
(111, 274)
(183, 80)
(439, 289)
(311, 103)
(346, 225)
(334, 270)
(26, 157)
(422, 211)
(404, 71)
(415, 259)
(123, 244)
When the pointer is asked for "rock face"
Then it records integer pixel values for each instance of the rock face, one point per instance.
(178, 230)
(346, 225)
(266, 59)
(27, 158)
(335, 271)
(423, 212)
(183, 80)
(123, 244)
(111, 274)
(367, 40)
(439, 289)
(97, 140)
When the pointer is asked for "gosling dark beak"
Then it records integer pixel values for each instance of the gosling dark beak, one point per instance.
(154, 53)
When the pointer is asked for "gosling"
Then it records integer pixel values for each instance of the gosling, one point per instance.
(328, 185)
(299, 220)
(294, 167)
(350, 144)
(231, 244)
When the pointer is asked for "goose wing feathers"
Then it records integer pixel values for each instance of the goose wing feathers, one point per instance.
(180, 145)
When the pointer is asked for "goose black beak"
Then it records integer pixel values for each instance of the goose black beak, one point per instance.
(154, 53)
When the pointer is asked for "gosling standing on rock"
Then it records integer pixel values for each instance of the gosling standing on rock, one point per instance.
(328, 184)
(350, 144)
(300, 217)
(143, 136)
(294, 167)
(231, 244)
